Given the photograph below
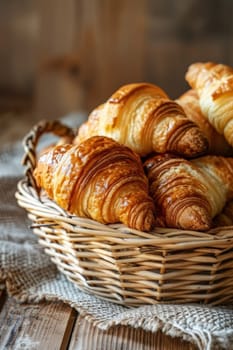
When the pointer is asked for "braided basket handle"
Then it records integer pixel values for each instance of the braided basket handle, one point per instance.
(31, 140)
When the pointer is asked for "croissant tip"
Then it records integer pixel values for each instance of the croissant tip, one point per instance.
(149, 221)
(194, 218)
(143, 221)
(194, 143)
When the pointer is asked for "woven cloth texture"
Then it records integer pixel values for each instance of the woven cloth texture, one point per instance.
(29, 276)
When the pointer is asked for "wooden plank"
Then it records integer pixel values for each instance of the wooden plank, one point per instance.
(87, 336)
(228, 27)
(57, 44)
(172, 77)
(20, 29)
(111, 47)
(96, 44)
(35, 326)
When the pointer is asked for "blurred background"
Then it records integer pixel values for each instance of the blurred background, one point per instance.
(67, 56)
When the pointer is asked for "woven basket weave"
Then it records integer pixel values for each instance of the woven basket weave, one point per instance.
(122, 265)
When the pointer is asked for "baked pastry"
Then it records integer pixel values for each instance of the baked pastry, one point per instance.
(98, 179)
(189, 194)
(191, 105)
(214, 85)
(142, 117)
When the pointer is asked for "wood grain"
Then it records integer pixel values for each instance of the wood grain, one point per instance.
(35, 327)
(86, 336)
(162, 72)
(111, 46)
(113, 43)
(99, 41)
(19, 28)
(57, 89)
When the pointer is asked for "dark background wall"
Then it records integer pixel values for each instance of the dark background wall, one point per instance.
(59, 56)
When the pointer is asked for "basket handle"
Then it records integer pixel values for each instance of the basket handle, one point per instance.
(31, 140)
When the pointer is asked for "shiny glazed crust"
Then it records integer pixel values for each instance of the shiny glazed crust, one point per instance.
(214, 85)
(99, 179)
(142, 117)
(190, 193)
(191, 105)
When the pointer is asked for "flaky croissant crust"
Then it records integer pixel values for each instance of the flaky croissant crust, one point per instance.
(189, 194)
(217, 77)
(142, 117)
(214, 85)
(179, 195)
(191, 105)
(99, 179)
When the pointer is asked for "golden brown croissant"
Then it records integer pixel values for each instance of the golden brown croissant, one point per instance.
(142, 117)
(191, 105)
(214, 85)
(190, 193)
(99, 179)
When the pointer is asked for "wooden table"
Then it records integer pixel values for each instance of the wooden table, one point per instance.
(54, 325)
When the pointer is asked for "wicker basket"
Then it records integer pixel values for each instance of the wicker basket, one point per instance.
(124, 265)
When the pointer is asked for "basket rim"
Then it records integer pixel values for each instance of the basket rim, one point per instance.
(48, 213)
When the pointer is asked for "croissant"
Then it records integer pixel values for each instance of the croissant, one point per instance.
(214, 85)
(98, 179)
(142, 117)
(191, 105)
(189, 194)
